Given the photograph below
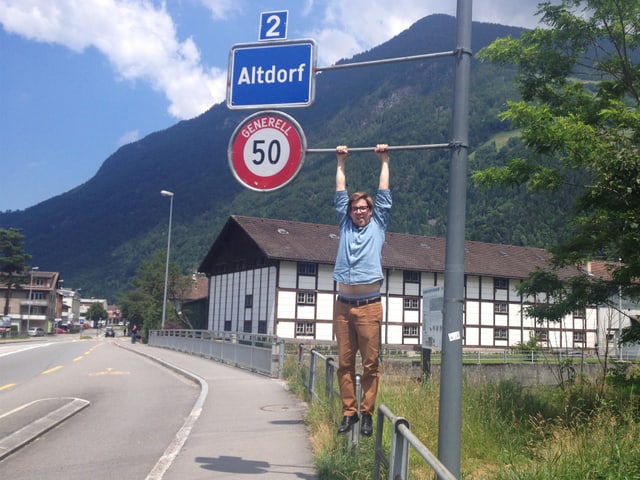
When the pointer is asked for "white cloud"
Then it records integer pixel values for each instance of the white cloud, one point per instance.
(128, 137)
(138, 38)
(221, 9)
(357, 25)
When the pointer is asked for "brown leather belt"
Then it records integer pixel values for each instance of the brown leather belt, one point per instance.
(359, 302)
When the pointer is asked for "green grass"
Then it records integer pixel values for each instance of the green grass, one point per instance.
(583, 431)
(500, 139)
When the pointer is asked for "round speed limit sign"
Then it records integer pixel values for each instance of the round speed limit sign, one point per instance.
(266, 150)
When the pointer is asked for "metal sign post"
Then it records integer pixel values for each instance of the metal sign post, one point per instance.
(450, 412)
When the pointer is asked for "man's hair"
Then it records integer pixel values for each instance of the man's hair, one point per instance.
(354, 197)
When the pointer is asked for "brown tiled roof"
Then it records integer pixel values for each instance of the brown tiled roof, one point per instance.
(288, 240)
(600, 269)
(51, 279)
(199, 288)
(311, 242)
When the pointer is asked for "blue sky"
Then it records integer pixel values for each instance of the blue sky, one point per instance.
(79, 79)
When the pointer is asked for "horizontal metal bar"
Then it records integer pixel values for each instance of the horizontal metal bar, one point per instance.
(402, 429)
(434, 462)
(388, 60)
(393, 147)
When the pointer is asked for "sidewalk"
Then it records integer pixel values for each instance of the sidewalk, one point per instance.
(243, 425)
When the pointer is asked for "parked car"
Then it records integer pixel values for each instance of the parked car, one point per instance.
(109, 332)
(35, 332)
(60, 330)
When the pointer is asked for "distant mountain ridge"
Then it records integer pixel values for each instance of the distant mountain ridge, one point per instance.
(97, 233)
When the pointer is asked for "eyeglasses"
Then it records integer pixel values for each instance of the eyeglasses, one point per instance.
(360, 209)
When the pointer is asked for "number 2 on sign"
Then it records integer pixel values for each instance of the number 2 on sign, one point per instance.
(273, 25)
(272, 154)
(273, 30)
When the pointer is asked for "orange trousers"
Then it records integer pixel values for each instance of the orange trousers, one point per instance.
(358, 329)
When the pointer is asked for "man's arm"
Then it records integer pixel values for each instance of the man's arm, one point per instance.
(341, 178)
(382, 150)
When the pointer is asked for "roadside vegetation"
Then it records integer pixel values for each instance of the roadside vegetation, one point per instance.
(581, 430)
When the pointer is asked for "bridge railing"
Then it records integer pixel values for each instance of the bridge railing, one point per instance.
(259, 353)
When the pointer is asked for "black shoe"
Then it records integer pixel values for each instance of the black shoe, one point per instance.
(345, 426)
(366, 428)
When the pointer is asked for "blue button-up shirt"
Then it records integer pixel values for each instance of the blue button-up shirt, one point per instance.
(359, 259)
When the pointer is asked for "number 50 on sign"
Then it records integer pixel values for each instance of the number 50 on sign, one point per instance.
(267, 150)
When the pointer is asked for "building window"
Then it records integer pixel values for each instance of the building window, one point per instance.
(35, 310)
(411, 303)
(262, 326)
(580, 313)
(411, 331)
(37, 296)
(500, 333)
(580, 336)
(306, 298)
(310, 269)
(542, 335)
(247, 326)
(411, 276)
(305, 328)
(227, 325)
(248, 301)
(500, 283)
(501, 307)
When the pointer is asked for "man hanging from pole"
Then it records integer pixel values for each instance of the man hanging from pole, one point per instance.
(357, 311)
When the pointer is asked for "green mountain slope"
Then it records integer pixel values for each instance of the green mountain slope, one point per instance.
(97, 233)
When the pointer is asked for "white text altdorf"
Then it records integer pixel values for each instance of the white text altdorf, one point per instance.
(257, 75)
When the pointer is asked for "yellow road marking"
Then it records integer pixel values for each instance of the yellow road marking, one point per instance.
(77, 359)
(51, 370)
(7, 386)
(88, 352)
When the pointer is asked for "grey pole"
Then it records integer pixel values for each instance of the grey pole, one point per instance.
(166, 193)
(30, 297)
(450, 413)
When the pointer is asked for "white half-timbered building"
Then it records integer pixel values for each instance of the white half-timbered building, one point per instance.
(275, 277)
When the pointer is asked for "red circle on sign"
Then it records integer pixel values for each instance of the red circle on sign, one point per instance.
(267, 150)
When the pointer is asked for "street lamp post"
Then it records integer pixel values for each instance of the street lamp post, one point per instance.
(619, 316)
(166, 193)
(30, 296)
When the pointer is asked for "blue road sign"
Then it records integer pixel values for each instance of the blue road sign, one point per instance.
(269, 75)
(273, 25)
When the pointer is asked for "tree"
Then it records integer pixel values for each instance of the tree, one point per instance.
(579, 79)
(12, 261)
(143, 303)
(96, 312)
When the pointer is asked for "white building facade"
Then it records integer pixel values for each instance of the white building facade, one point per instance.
(276, 277)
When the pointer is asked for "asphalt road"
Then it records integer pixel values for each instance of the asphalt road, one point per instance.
(135, 407)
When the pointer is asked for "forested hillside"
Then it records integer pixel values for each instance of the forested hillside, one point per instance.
(97, 233)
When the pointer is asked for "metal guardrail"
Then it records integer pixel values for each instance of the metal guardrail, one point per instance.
(329, 369)
(262, 354)
(402, 438)
(507, 356)
(397, 462)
